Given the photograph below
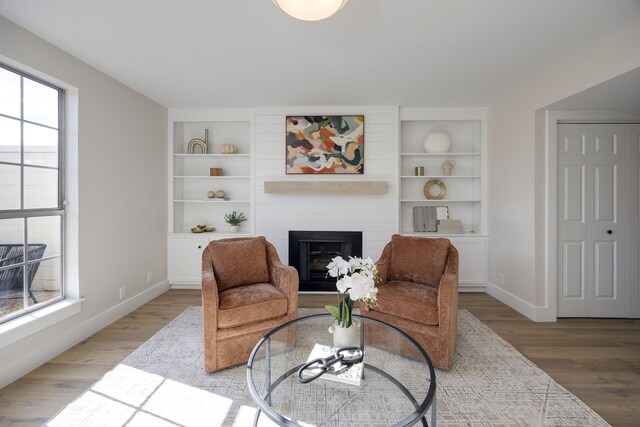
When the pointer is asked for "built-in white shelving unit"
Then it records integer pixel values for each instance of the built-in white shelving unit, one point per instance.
(190, 181)
(465, 195)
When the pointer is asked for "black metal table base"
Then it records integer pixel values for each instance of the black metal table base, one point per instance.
(403, 389)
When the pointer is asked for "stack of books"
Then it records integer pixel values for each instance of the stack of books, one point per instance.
(450, 226)
(425, 218)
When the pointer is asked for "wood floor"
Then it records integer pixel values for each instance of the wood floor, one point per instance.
(596, 359)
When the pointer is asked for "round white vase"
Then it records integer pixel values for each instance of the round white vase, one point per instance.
(437, 142)
(234, 228)
(345, 337)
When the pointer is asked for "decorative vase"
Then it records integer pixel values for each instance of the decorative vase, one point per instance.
(447, 166)
(228, 149)
(437, 142)
(234, 228)
(345, 337)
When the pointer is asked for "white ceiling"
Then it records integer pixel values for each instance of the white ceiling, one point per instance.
(243, 53)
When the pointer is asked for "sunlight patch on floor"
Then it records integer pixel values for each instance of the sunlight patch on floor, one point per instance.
(137, 398)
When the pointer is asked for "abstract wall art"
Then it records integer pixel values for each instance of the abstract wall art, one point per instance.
(325, 145)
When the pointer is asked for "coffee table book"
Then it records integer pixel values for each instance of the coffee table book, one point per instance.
(347, 374)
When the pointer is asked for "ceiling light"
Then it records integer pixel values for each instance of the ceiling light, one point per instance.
(310, 10)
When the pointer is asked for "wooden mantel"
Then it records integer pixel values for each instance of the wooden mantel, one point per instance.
(325, 187)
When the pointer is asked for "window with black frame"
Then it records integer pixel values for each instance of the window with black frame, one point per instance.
(31, 193)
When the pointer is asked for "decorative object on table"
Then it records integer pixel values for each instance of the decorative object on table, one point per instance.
(234, 220)
(437, 142)
(197, 142)
(343, 365)
(346, 336)
(356, 282)
(434, 183)
(220, 194)
(447, 166)
(228, 149)
(306, 10)
(450, 226)
(215, 172)
(202, 228)
(325, 145)
(419, 170)
(425, 218)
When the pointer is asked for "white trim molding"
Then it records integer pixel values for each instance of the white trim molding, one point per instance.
(28, 324)
(552, 118)
(537, 314)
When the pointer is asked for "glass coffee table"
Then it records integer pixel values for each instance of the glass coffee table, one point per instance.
(398, 384)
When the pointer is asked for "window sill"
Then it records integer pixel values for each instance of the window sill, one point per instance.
(29, 324)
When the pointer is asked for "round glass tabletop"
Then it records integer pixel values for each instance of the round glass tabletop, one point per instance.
(395, 383)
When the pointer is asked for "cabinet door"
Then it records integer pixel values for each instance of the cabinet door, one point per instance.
(185, 260)
(471, 261)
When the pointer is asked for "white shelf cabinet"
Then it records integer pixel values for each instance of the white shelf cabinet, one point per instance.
(184, 253)
(465, 189)
(190, 181)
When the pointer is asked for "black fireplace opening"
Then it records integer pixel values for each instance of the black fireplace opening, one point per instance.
(311, 251)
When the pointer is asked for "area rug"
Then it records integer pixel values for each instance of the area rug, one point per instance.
(163, 383)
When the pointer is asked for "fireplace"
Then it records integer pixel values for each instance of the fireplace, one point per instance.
(311, 251)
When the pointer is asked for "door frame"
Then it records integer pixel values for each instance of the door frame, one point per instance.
(551, 119)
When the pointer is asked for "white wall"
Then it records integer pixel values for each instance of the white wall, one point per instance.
(517, 169)
(374, 215)
(118, 198)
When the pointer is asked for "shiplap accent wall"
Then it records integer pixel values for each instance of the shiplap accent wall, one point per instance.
(376, 215)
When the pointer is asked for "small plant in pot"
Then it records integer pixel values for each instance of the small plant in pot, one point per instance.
(234, 220)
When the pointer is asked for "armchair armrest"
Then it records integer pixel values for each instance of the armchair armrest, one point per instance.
(448, 296)
(210, 303)
(383, 263)
(448, 288)
(283, 277)
(209, 285)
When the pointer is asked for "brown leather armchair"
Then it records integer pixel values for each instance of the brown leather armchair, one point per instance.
(246, 292)
(418, 294)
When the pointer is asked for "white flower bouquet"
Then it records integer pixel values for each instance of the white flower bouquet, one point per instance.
(356, 282)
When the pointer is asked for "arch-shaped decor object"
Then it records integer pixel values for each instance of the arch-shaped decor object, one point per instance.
(197, 142)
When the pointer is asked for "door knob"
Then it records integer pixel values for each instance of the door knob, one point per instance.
(609, 231)
(200, 247)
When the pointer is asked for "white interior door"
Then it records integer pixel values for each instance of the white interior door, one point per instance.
(593, 220)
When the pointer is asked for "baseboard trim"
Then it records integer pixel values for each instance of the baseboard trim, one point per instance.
(471, 287)
(537, 314)
(55, 345)
(186, 286)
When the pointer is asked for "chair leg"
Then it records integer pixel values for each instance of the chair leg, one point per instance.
(33, 297)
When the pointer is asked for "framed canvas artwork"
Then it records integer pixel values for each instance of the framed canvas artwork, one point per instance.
(325, 145)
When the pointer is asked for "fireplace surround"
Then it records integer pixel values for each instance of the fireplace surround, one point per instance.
(311, 251)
